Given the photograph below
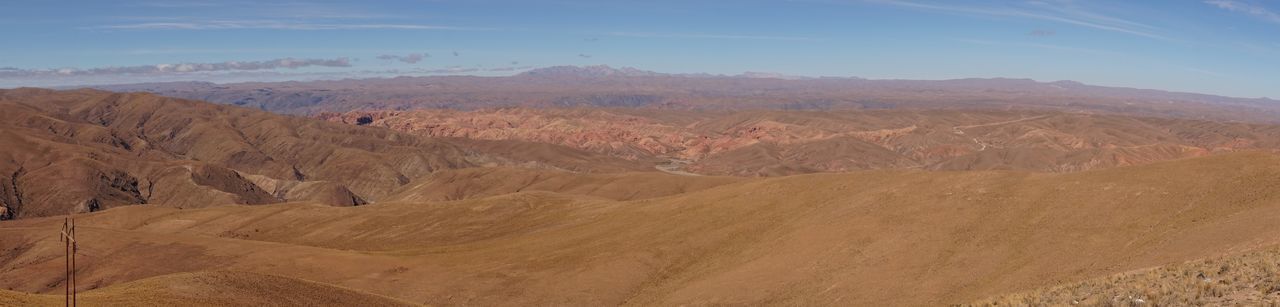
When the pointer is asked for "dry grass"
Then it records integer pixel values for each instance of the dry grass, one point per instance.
(880, 238)
(1249, 279)
(218, 288)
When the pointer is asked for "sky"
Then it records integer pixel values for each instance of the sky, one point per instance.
(1224, 47)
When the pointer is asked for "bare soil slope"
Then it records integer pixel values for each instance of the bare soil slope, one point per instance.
(491, 181)
(889, 237)
(211, 288)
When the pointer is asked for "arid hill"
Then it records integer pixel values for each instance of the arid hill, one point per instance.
(602, 86)
(89, 150)
(604, 206)
(792, 142)
(888, 237)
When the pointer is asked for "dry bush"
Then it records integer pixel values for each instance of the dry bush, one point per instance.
(1249, 279)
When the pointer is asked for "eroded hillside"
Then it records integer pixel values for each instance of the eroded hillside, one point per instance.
(85, 150)
(791, 142)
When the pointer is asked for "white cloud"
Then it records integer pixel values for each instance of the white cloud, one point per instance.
(1203, 71)
(511, 68)
(710, 36)
(74, 77)
(1048, 12)
(1247, 8)
(412, 58)
(1034, 45)
(177, 68)
(275, 25)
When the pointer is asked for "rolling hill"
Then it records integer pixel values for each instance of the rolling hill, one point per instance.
(178, 199)
(891, 237)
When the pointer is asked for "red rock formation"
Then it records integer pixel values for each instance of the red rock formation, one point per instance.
(786, 142)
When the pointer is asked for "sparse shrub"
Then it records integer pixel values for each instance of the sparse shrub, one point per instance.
(1252, 277)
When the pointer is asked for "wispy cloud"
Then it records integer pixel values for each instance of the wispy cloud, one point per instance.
(1203, 71)
(177, 4)
(276, 25)
(149, 51)
(710, 36)
(1034, 45)
(412, 58)
(510, 68)
(1044, 11)
(9, 75)
(1247, 8)
(448, 70)
(179, 68)
(265, 9)
(1071, 9)
(1042, 33)
(451, 70)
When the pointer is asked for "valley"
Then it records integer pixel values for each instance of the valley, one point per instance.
(772, 143)
(533, 205)
(218, 153)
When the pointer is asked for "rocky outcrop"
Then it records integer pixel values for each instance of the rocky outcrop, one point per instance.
(322, 192)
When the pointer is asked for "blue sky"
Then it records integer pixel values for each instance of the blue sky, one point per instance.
(1228, 47)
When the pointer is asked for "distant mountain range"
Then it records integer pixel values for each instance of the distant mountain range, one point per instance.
(597, 71)
(604, 71)
(604, 86)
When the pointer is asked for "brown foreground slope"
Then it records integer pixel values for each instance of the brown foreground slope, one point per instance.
(211, 288)
(491, 181)
(865, 238)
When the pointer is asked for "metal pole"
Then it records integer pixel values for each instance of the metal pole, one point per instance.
(66, 223)
(66, 269)
(74, 249)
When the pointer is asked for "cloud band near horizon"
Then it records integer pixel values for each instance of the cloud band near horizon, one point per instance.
(178, 68)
